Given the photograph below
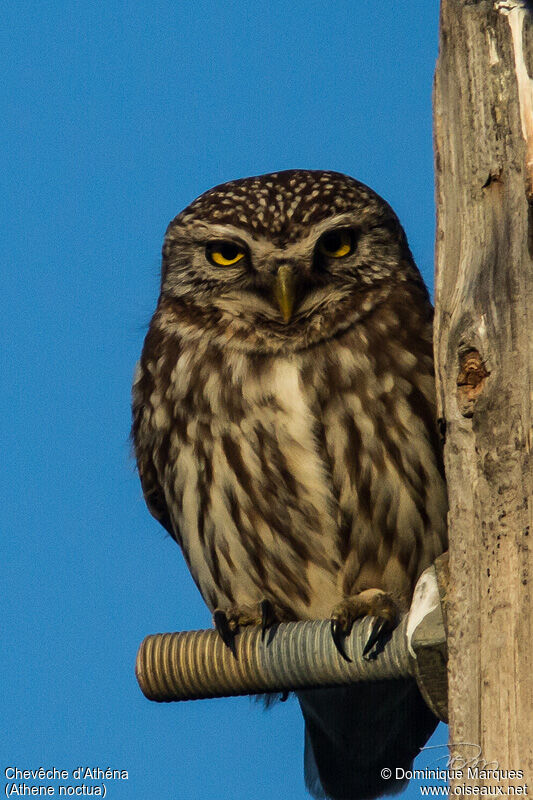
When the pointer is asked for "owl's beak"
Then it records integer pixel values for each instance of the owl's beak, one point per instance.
(284, 290)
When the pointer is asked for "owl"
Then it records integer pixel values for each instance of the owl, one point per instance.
(285, 436)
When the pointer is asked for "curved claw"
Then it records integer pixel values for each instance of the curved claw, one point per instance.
(337, 634)
(284, 696)
(268, 617)
(380, 626)
(223, 628)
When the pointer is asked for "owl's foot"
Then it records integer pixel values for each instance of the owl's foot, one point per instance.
(228, 621)
(369, 603)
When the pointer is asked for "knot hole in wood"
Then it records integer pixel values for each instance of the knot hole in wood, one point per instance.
(470, 381)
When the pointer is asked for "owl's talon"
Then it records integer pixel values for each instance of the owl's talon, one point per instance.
(268, 617)
(284, 697)
(228, 621)
(338, 634)
(379, 627)
(368, 603)
(226, 633)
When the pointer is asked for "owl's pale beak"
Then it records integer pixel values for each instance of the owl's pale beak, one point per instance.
(284, 291)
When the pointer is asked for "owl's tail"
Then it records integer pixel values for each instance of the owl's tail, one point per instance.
(352, 733)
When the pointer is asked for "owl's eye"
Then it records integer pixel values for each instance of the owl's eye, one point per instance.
(336, 244)
(224, 254)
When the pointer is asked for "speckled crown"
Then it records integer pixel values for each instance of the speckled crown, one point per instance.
(283, 203)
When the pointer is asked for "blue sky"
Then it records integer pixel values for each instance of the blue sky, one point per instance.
(115, 116)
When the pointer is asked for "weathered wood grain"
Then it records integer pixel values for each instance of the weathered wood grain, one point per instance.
(483, 108)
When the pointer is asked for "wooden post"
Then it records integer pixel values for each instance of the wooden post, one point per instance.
(483, 105)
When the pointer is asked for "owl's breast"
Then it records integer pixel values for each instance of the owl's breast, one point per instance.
(301, 478)
(249, 490)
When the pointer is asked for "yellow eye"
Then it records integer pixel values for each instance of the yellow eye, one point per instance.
(336, 244)
(224, 254)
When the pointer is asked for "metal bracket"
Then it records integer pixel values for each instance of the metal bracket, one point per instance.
(194, 665)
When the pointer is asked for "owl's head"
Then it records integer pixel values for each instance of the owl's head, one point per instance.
(282, 261)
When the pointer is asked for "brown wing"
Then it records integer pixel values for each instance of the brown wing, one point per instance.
(153, 491)
(144, 440)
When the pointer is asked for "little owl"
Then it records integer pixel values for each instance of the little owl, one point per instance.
(285, 435)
